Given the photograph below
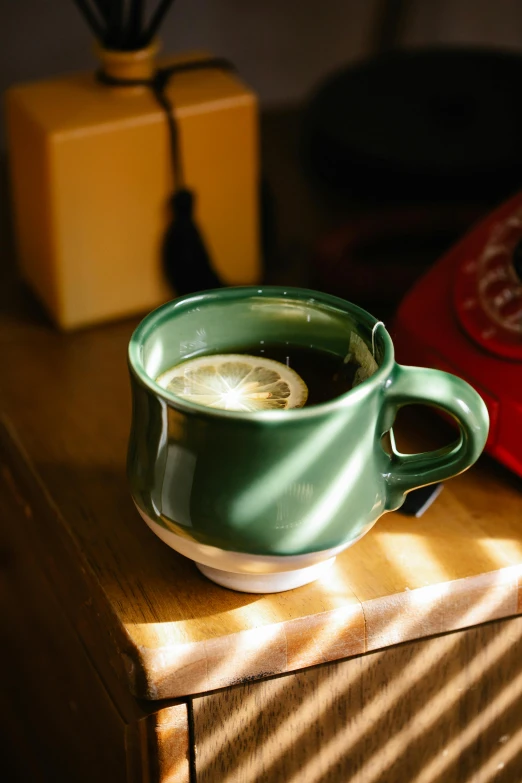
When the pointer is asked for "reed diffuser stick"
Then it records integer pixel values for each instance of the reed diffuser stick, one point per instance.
(91, 18)
(121, 24)
(102, 7)
(155, 22)
(135, 23)
(114, 38)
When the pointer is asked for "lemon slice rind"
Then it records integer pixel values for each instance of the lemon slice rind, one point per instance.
(360, 352)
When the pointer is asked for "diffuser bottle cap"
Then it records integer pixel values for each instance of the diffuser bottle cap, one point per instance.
(139, 64)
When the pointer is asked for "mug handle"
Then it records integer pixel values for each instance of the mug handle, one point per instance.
(414, 385)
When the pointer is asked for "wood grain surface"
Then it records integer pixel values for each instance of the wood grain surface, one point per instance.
(160, 628)
(54, 710)
(167, 738)
(443, 710)
(63, 714)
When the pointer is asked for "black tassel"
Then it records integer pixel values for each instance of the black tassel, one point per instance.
(185, 259)
(186, 262)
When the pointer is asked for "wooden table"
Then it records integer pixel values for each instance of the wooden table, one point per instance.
(123, 663)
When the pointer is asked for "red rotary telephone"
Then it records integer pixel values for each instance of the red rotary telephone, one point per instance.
(465, 316)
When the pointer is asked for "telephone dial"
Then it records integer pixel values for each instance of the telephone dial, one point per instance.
(465, 316)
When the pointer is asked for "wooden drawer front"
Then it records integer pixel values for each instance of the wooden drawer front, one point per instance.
(443, 710)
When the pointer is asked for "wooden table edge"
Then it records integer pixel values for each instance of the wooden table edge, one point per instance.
(175, 672)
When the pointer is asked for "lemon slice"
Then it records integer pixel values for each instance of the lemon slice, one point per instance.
(236, 382)
(360, 353)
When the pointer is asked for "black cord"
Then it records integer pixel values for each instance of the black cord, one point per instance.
(186, 261)
(158, 85)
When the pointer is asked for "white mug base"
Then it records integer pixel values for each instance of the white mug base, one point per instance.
(246, 572)
(266, 583)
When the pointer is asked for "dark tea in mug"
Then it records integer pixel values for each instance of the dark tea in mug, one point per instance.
(266, 376)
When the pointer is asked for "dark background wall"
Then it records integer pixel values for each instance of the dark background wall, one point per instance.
(282, 47)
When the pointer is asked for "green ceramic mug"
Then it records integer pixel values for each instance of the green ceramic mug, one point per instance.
(264, 501)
